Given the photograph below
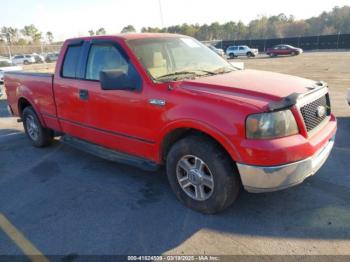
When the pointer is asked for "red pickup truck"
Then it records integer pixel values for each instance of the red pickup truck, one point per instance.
(162, 99)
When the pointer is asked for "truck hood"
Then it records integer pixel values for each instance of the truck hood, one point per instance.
(252, 86)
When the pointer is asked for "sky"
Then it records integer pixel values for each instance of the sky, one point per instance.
(71, 18)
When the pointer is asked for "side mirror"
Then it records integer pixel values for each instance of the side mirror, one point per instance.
(118, 80)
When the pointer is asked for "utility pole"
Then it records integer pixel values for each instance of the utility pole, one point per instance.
(161, 13)
(338, 40)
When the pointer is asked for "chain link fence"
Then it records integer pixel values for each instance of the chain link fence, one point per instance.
(321, 42)
(11, 50)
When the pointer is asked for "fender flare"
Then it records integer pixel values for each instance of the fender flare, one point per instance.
(24, 94)
(201, 127)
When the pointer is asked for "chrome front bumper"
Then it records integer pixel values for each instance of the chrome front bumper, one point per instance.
(258, 179)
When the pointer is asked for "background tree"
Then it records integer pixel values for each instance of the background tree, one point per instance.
(91, 32)
(101, 31)
(128, 29)
(32, 32)
(276, 26)
(49, 37)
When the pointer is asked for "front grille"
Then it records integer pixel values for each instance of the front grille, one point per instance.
(310, 112)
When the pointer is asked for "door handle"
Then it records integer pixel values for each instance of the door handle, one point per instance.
(83, 94)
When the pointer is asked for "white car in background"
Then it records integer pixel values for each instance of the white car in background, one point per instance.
(241, 50)
(23, 59)
(7, 66)
(38, 58)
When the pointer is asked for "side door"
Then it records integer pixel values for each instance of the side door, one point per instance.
(277, 50)
(284, 50)
(116, 118)
(241, 51)
(70, 93)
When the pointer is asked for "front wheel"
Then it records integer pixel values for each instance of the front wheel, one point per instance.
(202, 175)
(38, 135)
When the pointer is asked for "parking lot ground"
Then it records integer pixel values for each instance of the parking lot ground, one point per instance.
(66, 202)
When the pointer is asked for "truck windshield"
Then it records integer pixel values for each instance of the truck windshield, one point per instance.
(176, 58)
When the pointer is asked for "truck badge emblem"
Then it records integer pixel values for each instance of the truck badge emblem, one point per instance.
(321, 111)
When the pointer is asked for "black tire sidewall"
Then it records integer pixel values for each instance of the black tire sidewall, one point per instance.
(43, 136)
(226, 180)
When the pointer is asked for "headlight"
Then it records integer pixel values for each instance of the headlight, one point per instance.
(271, 125)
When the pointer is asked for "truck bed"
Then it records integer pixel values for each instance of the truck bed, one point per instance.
(36, 88)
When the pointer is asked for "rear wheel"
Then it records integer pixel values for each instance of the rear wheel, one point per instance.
(202, 175)
(38, 135)
(231, 55)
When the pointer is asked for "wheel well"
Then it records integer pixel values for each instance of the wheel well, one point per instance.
(177, 134)
(22, 103)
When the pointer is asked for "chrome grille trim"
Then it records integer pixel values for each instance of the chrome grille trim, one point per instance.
(307, 105)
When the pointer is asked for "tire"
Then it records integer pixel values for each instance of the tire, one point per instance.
(294, 53)
(231, 55)
(26, 62)
(249, 54)
(218, 170)
(37, 134)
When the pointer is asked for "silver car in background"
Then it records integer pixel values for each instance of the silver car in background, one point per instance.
(6, 65)
(23, 59)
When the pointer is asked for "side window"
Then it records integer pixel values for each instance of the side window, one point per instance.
(104, 57)
(71, 61)
(241, 48)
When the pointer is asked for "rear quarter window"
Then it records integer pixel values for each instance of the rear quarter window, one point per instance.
(71, 60)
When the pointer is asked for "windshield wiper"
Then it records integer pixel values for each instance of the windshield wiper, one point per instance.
(223, 70)
(185, 72)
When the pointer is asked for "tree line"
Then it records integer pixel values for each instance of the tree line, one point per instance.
(277, 26)
(29, 34)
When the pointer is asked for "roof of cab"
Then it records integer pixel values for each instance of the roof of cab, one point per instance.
(128, 36)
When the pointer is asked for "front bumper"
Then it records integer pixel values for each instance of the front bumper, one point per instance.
(258, 179)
